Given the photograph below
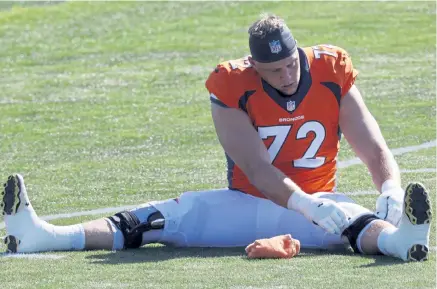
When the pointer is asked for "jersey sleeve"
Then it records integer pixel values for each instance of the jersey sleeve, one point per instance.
(221, 88)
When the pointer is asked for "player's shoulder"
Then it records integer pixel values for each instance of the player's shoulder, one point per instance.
(326, 53)
(327, 59)
(235, 68)
(230, 79)
(236, 73)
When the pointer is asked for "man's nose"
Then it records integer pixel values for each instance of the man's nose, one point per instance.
(286, 75)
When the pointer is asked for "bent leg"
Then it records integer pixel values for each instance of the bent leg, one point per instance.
(367, 234)
(410, 240)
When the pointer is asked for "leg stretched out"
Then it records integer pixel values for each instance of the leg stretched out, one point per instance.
(218, 218)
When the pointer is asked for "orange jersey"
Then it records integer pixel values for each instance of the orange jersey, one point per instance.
(301, 132)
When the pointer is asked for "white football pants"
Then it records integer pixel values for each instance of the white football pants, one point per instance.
(227, 218)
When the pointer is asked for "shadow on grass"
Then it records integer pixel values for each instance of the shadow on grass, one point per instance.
(379, 260)
(162, 253)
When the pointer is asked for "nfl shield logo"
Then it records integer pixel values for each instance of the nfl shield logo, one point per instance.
(275, 46)
(291, 105)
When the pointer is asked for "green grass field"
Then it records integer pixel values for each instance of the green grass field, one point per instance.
(103, 105)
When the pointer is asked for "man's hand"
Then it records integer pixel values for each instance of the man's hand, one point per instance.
(389, 204)
(328, 215)
(323, 212)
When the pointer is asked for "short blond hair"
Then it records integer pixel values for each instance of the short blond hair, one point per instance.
(267, 23)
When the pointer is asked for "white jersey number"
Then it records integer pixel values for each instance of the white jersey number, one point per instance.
(318, 50)
(280, 134)
(309, 160)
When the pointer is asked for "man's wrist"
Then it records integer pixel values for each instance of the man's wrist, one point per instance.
(299, 201)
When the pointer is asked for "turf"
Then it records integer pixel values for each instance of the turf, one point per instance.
(103, 104)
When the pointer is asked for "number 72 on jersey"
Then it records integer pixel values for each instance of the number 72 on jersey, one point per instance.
(280, 134)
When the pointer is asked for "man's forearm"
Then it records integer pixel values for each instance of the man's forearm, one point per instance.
(274, 184)
(383, 167)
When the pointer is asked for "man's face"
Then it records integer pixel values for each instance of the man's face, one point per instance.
(284, 75)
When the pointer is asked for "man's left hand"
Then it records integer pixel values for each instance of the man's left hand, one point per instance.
(389, 204)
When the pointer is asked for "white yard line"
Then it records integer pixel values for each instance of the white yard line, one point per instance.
(361, 193)
(396, 152)
(341, 164)
(83, 213)
(87, 213)
(424, 170)
(32, 256)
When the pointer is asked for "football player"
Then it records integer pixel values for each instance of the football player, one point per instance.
(279, 115)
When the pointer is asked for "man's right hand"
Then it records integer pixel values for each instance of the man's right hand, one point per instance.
(323, 212)
(328, 215)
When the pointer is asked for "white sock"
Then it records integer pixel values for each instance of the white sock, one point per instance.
(36, 235)
(66, 238)
(385, 244)
(47, 237)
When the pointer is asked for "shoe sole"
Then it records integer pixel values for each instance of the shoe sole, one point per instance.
(418, 253)
(11, 195)
(417, 208)
(12, 244)
(10, 204)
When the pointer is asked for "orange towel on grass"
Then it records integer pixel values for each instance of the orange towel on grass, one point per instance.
(283, 246)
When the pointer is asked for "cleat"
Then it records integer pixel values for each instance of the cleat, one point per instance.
(417, 209)
(11, 195)
(25, 232)
(12, 244)
(418, 253)
(417, 206)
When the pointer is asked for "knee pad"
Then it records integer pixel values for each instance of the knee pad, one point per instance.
(132, 229)
(360, 217)
(353, 231)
